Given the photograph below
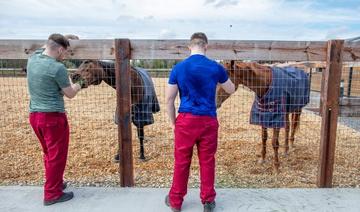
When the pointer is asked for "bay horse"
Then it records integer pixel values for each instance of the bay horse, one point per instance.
(279, 93)
(93, 72)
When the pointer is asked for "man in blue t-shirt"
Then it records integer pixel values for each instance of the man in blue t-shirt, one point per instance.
(196, 79)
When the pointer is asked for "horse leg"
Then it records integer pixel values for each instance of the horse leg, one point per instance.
(275, 144)
(287, 129)
(295, 124)
(264, 136)
(140, 132)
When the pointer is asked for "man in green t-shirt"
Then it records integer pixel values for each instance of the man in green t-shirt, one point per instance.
(48, 82)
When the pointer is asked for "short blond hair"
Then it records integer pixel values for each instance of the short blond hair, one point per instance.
(198, 39)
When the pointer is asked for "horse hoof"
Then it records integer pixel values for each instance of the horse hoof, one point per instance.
(286, 154)
(142, 158)
(276, 171)
(116, 158)
(261, 161)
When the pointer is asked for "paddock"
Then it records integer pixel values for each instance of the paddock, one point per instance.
(94, 136)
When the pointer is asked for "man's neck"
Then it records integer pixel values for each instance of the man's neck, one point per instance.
(47, 52)
(197, 51)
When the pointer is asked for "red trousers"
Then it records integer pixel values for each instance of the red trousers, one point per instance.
(52, 130)
(201, 131)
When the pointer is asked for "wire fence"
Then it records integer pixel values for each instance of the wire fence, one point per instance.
(347, 165)
(94, 141)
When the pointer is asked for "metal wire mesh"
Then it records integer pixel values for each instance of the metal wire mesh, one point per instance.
(347, 165)
(240, 145)
(238, 150)
(93, 139)
(243, 141)
(94, 142)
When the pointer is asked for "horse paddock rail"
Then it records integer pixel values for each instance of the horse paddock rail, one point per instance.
(326, 145)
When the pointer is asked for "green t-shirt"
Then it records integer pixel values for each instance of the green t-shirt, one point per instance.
(46, 77)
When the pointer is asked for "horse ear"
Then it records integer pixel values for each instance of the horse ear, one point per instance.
(239, 65)
(232, 63)
(90, 61)
(229, 65)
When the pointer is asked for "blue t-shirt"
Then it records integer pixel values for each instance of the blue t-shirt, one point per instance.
(197, 78)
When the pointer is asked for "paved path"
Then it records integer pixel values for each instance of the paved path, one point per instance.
(29, 198)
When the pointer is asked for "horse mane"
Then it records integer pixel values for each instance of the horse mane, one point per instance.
(108, 67)
(109, 70)
(255, 76)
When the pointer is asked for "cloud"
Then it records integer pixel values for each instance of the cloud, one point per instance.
(126, 18)
(221, 3)
(255, 19)
(336, 32)
(209, 1)
(167, 34)
(118, 4)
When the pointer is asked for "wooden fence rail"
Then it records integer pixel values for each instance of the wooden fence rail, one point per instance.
(177, 49)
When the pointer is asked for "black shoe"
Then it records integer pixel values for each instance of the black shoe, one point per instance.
(66, 196)
(167, 203)
(209, 206)
(64, 186)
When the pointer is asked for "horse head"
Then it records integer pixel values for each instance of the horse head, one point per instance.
(90, 71)
(250, 74)
(221, 95)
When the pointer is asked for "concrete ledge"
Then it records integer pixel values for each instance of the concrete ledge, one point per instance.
(28, 198)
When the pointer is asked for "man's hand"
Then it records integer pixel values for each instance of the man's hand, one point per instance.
(83, 83)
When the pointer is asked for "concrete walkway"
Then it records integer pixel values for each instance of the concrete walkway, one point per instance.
(28, 198)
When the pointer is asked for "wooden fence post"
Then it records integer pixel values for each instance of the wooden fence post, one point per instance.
(123, 104)
(329, 111)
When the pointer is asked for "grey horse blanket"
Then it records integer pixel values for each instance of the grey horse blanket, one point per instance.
(142, 112)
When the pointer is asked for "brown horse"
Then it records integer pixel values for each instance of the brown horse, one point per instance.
(94, 72)
(258, 78)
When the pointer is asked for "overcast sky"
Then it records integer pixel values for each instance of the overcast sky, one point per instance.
(178, 19)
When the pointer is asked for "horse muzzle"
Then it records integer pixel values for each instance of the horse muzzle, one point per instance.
(75, 77)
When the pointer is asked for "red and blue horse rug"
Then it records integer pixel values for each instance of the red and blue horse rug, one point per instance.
(289, 91)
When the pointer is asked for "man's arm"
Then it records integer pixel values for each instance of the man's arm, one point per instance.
(170, 96)
(71, 90)
(228, 86)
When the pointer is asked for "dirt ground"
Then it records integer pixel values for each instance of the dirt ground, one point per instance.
(94, 143)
